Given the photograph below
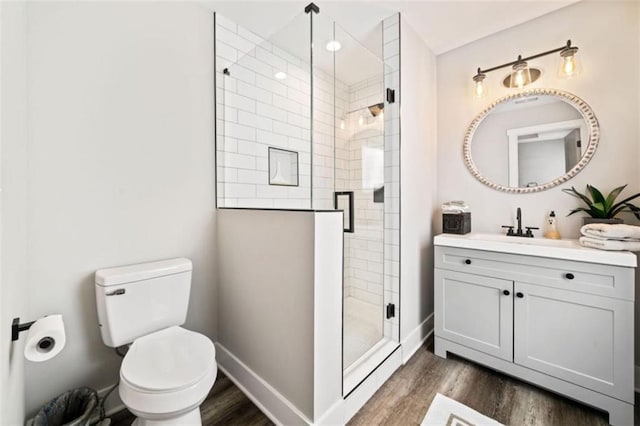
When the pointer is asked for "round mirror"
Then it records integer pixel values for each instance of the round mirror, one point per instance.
(531, 141)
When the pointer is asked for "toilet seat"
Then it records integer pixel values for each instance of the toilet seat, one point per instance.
(167, 372)
(168, 360)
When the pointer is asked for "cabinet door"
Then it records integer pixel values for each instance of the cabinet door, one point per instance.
(475, 311)
(581, 338)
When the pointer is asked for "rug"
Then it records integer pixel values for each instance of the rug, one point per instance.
(447, 412)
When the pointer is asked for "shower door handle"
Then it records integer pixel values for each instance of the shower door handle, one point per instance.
(391, 310)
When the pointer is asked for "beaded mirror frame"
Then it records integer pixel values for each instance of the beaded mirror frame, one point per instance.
(584, 109)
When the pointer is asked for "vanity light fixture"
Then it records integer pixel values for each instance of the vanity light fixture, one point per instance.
(569, 64)
(522, 75)
(479, 89)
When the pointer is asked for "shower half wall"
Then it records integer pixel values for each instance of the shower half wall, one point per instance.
(294, 127)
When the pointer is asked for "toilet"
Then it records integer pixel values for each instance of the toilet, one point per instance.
(168, 370)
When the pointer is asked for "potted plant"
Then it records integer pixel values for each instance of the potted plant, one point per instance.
(603, 209)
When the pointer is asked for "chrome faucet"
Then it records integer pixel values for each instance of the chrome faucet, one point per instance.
(518, 232)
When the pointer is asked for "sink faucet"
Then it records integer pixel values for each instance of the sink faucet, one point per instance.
(518, 232)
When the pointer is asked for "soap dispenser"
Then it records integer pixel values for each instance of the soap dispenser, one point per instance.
(552, 227)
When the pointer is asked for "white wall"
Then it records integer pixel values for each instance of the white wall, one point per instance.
(120, 166)
(280, 304)
(607, 34)
(418, 186)
(13, 264)
(540, 161)
(267, 297)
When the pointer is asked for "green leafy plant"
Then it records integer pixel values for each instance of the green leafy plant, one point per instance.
(602, 207)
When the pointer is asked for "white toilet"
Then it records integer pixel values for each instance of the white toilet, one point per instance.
(168, 370)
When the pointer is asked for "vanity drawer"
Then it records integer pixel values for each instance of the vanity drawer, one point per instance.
(589, 278)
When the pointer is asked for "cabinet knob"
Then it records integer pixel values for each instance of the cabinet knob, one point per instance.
(519, 295)
(569, 276)
(468, 261)
(506, 292)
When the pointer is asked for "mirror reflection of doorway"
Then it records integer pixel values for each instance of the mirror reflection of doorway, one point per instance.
(538, 154)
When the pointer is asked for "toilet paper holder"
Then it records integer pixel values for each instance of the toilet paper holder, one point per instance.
(17, 328)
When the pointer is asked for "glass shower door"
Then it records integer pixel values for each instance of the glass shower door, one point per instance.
(355, 172)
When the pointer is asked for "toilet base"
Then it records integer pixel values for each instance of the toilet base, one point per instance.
(192, 418)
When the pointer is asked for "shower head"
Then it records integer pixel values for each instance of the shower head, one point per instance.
(376, 109)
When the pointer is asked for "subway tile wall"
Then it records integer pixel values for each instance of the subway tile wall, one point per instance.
(257, 110)
(365, 168)
(330, 100)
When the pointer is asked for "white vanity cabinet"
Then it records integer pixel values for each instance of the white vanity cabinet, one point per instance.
(561, 322)
(473, 311)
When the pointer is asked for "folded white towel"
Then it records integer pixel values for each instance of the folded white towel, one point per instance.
(601, 238)
(455, 210)
(605, 230)
(455, 207)
(604, 244)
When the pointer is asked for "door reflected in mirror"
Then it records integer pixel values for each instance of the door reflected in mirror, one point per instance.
(531, 141)
(540, 153)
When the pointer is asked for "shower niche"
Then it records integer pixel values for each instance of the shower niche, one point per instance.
(308, 121)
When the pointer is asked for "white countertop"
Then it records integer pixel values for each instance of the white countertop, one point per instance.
(557, 249)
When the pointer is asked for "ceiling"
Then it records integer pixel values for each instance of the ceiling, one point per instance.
(443, 25)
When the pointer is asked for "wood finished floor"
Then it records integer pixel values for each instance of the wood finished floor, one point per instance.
(406, 396)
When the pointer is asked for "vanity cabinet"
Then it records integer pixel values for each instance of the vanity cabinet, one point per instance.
(566, 325)
(473, 310)
(581, 338)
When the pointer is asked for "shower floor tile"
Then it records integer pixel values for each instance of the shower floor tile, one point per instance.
(362, 328)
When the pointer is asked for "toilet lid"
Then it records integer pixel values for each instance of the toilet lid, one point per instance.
(170, 359)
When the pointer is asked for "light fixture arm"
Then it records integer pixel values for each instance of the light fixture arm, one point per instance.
(521, 59)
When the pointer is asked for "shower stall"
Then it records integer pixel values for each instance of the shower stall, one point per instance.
(308, 120)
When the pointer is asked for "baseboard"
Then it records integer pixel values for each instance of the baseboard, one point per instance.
(636, 382)
(271, 402)
(280, 411)
(416, 338)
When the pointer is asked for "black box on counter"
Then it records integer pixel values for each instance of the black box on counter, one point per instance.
(456, 223)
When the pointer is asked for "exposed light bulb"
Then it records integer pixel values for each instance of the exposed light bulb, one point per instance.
(333, 46)
(569, 65)
(342, 124)
(280, 75)
(519, 79)
(361, 121)
(521, 75)
(479, 89)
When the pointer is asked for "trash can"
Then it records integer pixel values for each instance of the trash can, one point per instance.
(72, 408)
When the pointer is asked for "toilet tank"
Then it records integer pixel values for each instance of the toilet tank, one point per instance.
(136, 300)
